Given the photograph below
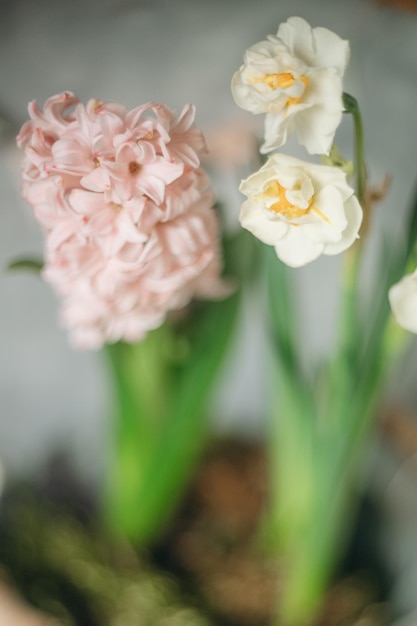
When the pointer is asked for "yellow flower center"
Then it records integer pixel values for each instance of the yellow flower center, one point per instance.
(283, 206)
(283, 80)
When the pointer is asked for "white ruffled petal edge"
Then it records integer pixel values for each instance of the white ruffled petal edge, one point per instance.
(297, 250)
(254, 218)
(354, 215)
(318, 47)
(403, 301)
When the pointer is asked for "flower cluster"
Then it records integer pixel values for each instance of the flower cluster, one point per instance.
(295, 78)
(130, 229)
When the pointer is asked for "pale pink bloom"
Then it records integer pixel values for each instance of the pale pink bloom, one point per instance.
(183, 193)
(185, 141)
(127, 295)
(138, 170)
(130, 229)
(52, 119)
(110, 225)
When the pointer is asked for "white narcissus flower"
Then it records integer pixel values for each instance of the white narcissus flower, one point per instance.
(295, 78)
(302, 209)
(403, 301)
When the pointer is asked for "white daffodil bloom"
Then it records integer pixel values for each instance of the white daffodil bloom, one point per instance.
(403, 301)
(295, 78)
(303, 210)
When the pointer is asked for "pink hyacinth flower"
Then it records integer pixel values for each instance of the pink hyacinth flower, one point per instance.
(130, 229)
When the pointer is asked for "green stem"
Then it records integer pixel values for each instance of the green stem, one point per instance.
(349, 324)
(352, 107)
(317, 501)
(311, 556)
(318, 446)
(350, 332)
(139, 374)
(161, 419)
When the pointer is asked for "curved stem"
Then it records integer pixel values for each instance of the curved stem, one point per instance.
(352, 107)
(349, 331)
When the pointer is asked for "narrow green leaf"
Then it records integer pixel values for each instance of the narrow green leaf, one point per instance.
(282, 315)
(242, 256)
(394, 259)
(31, 265)
(184, 433)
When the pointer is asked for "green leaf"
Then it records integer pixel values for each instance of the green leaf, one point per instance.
(242, 256)
(31, 265)
(282, 315)
(185, 429)
(393, 264)
(350, 103)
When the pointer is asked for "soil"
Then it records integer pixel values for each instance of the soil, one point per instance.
(213, 546)
(212, 550)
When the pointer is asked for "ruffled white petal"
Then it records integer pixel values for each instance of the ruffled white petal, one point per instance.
(330, 205)
(277, 129)
(297, 34)
(254, 218)
(296, 250)
(403, 301)
(353, 211)
(330, 47)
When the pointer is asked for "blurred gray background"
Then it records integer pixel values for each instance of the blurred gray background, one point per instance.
(133, 51)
